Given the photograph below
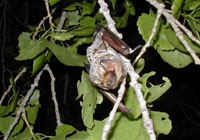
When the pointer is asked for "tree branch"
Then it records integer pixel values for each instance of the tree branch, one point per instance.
(107, 125)
(175, 25)
(106, 12)
(48, 13)
(148, 43)
(27, 123)
(23, 104)
(54, 94)
(10, 86)
(148, 123)
(42, 22)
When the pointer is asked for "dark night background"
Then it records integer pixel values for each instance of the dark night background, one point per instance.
(181, 102)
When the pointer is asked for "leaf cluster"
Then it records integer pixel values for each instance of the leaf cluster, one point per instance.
(82, 17)
(166, 42)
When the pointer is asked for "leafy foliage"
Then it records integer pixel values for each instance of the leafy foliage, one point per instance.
(31, 111)
(166, 43)
(91, 97)
(67, 47)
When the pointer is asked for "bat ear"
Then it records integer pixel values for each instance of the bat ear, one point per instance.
(87, 66)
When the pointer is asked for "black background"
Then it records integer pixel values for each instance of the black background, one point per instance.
(181, 102)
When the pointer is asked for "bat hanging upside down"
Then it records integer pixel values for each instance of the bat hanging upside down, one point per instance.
(106, 66)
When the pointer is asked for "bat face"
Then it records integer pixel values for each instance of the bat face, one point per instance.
(109, 73)
(106, 67)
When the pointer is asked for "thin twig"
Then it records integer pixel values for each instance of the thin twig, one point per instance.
(23, 104)
(54, 94)
(179, 34)
(175, 25)
(106, 12)
(108, 122)
(62, 21)
(148, 43)
(48, 12)
(148, 123)
(41, 22)
(10, 86)
(113, 99)
(27, 123)
(188, 32)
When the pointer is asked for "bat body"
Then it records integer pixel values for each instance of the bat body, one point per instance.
(106, 66)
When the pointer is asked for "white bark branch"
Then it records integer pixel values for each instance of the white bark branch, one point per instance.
(54, 94)
(10, 86)
(106, 12)
(175, 25)
(179, 34)
(22, 105)
(27, 123)
(148, 43)
(108, 122)
(148, 123)
(48, 12)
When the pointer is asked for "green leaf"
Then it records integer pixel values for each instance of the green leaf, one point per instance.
(143, 81)
(53, 2)
(40, 60)
(113, 3)
(175, 58)
(142, 134)
(99, 99)
(89, 93)
(158, 90)
(65, 55)
(132, 103)
(73, 18)
(194, 25)
(88, 21)
(83, 31)
(87, 8)
(196, 14)
(122, 128)
(32, 113)
(176, 8)
(62, 131)
(7, 121)
(145, 24)
(25, 135)
(78, 42)
(82, 135)
(140, 65)
(122, 21)
(171, 36)
(33, 107)
(129, 5)
(191, 4)
(4, 110)
(161, 121)
(62, 36)
(34, 100)
(13, 103)
(166, 50)
(28, 48)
